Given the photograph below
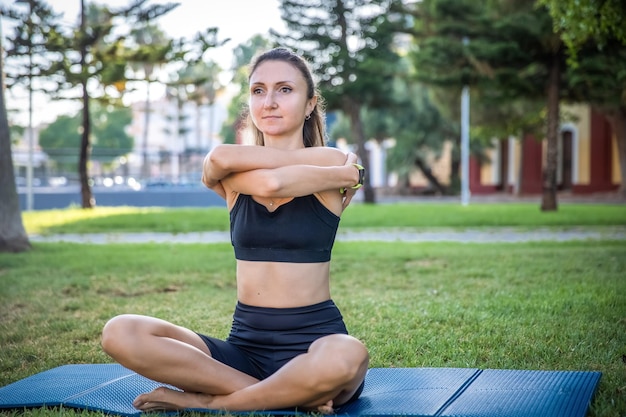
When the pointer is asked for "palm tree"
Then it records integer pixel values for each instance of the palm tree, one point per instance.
(205, 86)
(154, 49)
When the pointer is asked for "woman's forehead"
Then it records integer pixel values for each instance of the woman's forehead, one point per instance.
(269, 72)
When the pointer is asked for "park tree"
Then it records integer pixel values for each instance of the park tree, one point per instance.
(109, 139)
(599, 79)
(110, 133)
(25, 63)
(59, 141)
(152, 49)
(595, 35)
(26, 60)
(13, 237)
(203, 89)
(506, 46)
(350, 45)
(94, 54)
(581, 22)
(413, 122)
(419, 129)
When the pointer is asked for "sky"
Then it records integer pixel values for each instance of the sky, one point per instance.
(238, 20)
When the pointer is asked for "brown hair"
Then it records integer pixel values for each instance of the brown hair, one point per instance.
(314, 130)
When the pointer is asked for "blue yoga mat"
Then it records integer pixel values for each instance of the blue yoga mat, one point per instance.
(423, 392)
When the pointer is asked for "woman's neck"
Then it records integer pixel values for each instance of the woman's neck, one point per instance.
(284, 143)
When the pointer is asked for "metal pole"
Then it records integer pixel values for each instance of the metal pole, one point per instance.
(465, 152)
(465, 103)
(31, 133)
(31, 146)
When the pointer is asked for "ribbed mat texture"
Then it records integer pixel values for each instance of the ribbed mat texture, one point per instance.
(414, 392)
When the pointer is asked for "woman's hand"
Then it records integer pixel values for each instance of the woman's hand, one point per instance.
(348, 193)
(213, 184)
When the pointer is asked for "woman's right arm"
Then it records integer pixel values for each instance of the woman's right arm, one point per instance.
(228, 159)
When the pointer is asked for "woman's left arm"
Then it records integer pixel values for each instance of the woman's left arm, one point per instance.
(294, 180)
(227, 159)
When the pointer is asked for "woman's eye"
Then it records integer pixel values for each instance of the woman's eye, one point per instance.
(285, 89)
(257, 91)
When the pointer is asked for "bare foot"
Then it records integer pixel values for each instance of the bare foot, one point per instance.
(326, 408)
(168, 399)
(322, 409)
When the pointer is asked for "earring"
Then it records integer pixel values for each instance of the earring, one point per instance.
(308, 116)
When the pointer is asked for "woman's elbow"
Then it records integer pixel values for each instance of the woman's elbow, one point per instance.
(270, 184)
(216, 161)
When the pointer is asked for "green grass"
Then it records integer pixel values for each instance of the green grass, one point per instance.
(405, 215)
(545, 306)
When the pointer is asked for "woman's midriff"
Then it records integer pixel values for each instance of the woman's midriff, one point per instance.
(282, 284)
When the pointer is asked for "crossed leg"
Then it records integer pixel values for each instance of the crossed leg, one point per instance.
(328, 374)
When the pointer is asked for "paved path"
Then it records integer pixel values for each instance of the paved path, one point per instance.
(493, 235)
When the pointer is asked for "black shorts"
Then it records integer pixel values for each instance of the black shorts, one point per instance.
(262, 340)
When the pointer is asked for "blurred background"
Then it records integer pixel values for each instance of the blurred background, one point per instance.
(118, 102)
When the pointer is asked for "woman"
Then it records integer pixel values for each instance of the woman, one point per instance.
(288, 345)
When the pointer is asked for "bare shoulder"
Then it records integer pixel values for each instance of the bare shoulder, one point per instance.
(325, 155)
(334, 152)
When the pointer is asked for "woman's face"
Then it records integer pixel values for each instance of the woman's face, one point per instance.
(278, 100)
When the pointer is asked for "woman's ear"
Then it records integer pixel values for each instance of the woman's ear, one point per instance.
(311, 105)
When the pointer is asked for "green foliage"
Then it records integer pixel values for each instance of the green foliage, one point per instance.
(26, 58)
(599, 76)
(502, 51)
(102, 53)
(417, 126)
(111, 139)
(17, 132)
(581, 21)
(61, 139)
(327, 35)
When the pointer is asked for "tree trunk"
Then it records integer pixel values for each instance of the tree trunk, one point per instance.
(428, 173)
(13, 237)
(548, 199)
(519, 184)
(145, 167)
(85, 190)
(87, 199)
(455, 166)
(356, 126)
(617, 120)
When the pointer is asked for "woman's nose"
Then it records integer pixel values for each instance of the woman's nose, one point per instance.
(270, 102)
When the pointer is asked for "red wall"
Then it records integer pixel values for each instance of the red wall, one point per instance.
(601, 166)
(601, 162)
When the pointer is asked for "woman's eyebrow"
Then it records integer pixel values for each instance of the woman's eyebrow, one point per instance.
(277, 82)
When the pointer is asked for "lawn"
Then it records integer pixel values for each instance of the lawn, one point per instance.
(536, 305)
(357, 216)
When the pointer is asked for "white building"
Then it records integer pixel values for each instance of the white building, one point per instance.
(177, 138)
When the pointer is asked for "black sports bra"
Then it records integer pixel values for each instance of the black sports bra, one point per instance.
(301, 230)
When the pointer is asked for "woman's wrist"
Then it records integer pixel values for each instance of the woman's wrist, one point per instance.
(360, 178)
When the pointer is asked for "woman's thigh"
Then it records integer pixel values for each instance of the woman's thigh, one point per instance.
(137, 330)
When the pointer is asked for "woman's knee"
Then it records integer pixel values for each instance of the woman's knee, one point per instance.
(343, 355)
(119, 333)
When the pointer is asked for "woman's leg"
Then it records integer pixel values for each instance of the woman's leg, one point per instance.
(328, 374)
(170, 354)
